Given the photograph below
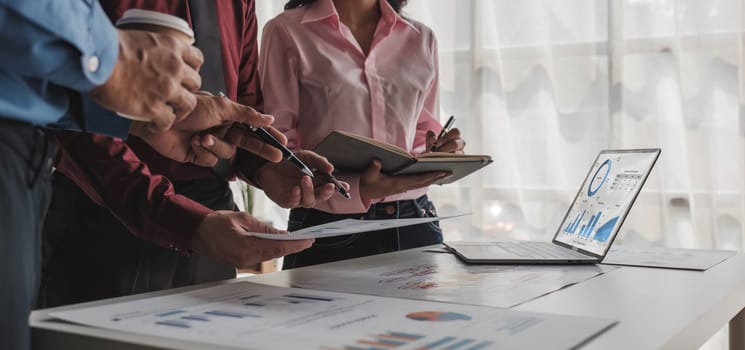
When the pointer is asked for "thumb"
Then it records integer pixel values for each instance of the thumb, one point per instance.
(252, 224)
(269, 228)
(244, 114)
(431, 138)
(315, 160)
(373, 169)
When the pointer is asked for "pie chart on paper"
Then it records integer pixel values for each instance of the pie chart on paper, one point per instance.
(437, 316)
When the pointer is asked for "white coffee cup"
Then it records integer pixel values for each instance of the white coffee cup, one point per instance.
(156, 22)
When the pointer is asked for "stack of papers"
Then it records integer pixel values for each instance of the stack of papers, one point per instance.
(248, 315)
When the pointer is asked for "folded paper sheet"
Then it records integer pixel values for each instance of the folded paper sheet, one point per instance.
(349, 226)
(667, 258)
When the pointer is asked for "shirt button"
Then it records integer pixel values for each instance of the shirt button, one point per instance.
(93, 64)
(390, 210)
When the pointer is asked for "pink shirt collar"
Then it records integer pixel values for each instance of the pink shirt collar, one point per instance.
(323, 9)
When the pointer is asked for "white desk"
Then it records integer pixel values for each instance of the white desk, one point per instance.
(656, 308)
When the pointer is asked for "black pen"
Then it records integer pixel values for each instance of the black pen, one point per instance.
(339, 187)
(286, 153)
(445, 129)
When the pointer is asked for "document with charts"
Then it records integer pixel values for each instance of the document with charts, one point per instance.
(249, 315)
(438, 277)
(349, 226)
(667, 258)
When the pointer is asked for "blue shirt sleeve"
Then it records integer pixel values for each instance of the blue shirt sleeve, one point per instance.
(71, 43)
(88, 116)
(103, 121)
(48, 46)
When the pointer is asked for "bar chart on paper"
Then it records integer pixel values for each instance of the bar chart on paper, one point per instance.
(385, 340)
(247, 309)
(395, 340)
(249, 315)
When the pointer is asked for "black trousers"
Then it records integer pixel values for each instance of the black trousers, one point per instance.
(369, 243)
(90, 255)
(25, 167)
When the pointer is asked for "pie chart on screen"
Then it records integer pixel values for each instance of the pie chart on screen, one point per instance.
(437, 316)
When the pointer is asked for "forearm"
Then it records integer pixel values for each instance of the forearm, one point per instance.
(112, 175)
(245, 166)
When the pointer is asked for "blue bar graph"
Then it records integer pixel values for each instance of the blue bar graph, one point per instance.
(228, 313)
(195, 318)
(572, 228)
(439, 342)
(587, 228)
(308, 297)
(459, 344)
(174, 323)
(170, 313)
(591, 225)
(481, 346)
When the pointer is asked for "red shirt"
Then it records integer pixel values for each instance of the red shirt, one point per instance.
(122, 176)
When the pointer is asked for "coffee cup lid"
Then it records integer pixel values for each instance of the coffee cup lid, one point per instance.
(138, 16)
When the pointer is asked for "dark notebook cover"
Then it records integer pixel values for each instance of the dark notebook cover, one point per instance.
(350, 152)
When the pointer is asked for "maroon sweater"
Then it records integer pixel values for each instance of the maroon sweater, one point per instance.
(130, 178)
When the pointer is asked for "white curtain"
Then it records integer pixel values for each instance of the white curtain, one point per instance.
(543, 85)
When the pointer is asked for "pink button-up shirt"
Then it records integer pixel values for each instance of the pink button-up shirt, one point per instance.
(316, 79)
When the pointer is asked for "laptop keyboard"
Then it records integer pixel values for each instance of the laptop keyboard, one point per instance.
(543, 250)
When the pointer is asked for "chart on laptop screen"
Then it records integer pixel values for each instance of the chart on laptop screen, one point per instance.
(604, 199)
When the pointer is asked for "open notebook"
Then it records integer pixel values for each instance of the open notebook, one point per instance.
(351, 152)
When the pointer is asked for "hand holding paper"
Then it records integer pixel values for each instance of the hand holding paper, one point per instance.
(222, 235)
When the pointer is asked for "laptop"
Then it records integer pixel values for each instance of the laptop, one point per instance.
(591, 223)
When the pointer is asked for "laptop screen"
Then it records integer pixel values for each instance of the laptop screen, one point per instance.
(604, 199)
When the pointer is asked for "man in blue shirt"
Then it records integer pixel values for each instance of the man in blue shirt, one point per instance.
(61, 63)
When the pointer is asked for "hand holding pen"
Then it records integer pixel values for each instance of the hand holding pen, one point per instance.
(284, 184)
(288, 155)
(338, 185)
(448, 140)
(270, 139)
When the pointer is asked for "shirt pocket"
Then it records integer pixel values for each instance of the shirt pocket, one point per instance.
(313, 103)
(403, 105)
(314, 94)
